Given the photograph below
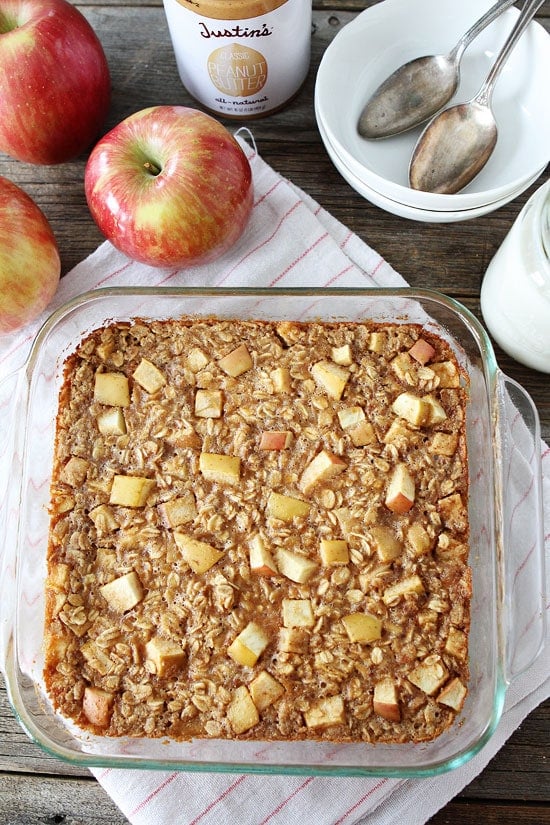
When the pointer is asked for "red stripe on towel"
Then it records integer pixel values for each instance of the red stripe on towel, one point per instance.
(218, 799)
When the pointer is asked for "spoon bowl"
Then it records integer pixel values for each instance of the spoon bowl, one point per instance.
(421, 87)
(409, 96)
(455, 150)
(457, 143)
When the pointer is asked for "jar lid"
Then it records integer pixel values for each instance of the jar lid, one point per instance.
(231, 9)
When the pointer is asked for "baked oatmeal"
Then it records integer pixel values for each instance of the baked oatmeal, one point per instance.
(260, 530)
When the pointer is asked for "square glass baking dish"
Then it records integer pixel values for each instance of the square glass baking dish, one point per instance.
(505, 509)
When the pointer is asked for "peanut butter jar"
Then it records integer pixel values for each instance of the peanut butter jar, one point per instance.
(241, 59)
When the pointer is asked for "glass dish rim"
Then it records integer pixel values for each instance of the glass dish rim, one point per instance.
(490, 370)
(474, 325)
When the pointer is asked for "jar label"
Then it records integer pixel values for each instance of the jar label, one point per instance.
(237, 71)
(242, 68)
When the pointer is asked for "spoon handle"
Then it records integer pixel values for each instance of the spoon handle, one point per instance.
(490, 15)
(527, 13)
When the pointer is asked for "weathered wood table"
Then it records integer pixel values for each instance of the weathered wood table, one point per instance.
(35, 788)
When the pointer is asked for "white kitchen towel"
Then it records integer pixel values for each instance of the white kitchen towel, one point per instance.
(289, 241)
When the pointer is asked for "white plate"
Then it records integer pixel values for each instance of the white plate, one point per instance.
(405, 211)
(383, 37)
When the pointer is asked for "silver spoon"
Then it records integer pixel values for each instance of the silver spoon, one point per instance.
(421, 87)
(459, 141)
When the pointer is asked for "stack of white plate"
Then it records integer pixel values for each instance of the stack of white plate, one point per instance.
(392, 32)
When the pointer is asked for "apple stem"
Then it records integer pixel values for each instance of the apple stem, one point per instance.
(152, 168)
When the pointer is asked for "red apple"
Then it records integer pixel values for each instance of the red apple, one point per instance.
(54, 84)
(170, 186)
(29, 259)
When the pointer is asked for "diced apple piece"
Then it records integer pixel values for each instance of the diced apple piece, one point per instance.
(436, 412)
(457, 643)
(362, 627)
(350, 417)
(293, 639)
(410, 584)
(265, 690)
(242, 712)
(401, 490)
(149, 376)
(418, 539)
(295, 567)
(289, 331)
(331, 377)
(236, 362)
(325, 713)
(261, 560)
(74, 472)
(453, 694)
(334, 551)
(398, 431)
(111, 389)
(104, 519)
(130, 491)
(105, 349)
(62, 501)
(362, 434)
(361, 431)
(275, 440)
(443, 444)
(453, 512)
(449, 548)
(185, 437)
(413, 409)
(165, 655)
(196, 360)
(404, 367)
(124, 593)
(208, 403)
(224, 469)
(346, 520)
(57, 648)
(241, 654)
(248, 646)
(342, 355)
(199, 555)
(386, 700)
(177, 511)
(281, 379)
(254, 638)
(58, 576)
(111, 422)
(286, 508)
(298, 613)
(324, 466)
(97, 705)
(378, 341)
(429, 676)
(447, 373)
(386, 543)
(422, 351)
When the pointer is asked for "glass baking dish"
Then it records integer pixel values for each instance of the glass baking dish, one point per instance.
(505, 509)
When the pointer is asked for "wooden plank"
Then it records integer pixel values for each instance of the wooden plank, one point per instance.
(319, 5)
(491, 813)
(27, 800)
(30, 800)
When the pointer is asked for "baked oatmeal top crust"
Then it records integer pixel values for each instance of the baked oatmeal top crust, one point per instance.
(260, 530)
